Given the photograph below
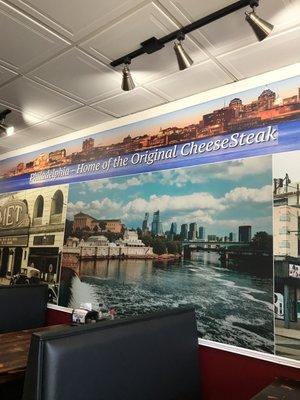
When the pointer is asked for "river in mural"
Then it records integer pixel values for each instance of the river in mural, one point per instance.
(232, 307)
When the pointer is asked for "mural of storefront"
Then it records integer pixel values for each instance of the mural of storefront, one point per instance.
(14, 235)
(287, 288)
(32, 232)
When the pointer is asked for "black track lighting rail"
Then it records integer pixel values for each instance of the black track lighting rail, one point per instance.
(153, 44)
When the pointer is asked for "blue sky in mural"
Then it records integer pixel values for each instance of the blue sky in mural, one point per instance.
(219, 197)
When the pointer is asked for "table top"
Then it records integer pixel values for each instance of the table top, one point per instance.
(280, 389)
(14, 348)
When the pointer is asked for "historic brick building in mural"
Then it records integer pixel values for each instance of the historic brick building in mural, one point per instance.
(32, 231)
(84, 222)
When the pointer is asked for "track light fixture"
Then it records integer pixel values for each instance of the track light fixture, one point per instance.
(261, 28)
(183, 59)
(5, 130)
(127, 81)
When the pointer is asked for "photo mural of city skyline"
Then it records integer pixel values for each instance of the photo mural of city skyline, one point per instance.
(226, 274)
(243, 112)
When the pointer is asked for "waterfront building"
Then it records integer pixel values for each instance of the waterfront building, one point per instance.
(57, 157)
(245, 233)
(236, 104)
(192, 231)
(112, 225)
(130, 238)
(94, 241)
(41, 161)
(83, 221)
(173, 228)
(266, 99)
(20, 167)
(184, 231)
(145, 227)
(156, 226)
(201, 234)
(290, 100)
(232, 237)
(211, 238)
(88, 144)
(99, 247)
(219, 117)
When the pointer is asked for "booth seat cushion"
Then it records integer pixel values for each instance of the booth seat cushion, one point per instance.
(153, 357)
(23, 307)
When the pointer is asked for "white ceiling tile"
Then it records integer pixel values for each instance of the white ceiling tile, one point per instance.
(274, 52)
(127, 103)
(78, 74)
(126, 35)
(4, 149)
(231, 32)
(76, 18)
(82, 118)
(191, 10)
(6, 74)
(34, 134)
(193, 80)
(42, 131)
(33, 98)
(23, 42)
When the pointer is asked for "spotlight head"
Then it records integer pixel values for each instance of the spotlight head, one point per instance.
(261, 28)
(127, 81)
(5, 130)
(183, 59)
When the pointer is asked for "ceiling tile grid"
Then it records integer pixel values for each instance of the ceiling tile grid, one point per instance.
(24, 43)
(55, 56)
(81, 118)
(78, 75)
(128, 103)
(27, 95)
(197, 78)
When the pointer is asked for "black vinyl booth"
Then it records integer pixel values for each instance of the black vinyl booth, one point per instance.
(153, 357)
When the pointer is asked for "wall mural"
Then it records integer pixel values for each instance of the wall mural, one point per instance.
(200, 236)
(175, 210)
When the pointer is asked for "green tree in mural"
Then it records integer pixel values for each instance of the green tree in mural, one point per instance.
(172, 247)
(262, 241)
(159, 246)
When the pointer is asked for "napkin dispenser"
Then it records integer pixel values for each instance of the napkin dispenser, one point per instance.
(83, 316)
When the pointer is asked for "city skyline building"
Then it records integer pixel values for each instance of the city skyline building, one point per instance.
(145, 227)
(232, 237)
(192, 235)
(156, 226)
(184, 231)
(245, 233)
(201, 234)
(173, 228)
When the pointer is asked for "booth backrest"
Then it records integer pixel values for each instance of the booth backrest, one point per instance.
(22, 307)
(153, 357)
